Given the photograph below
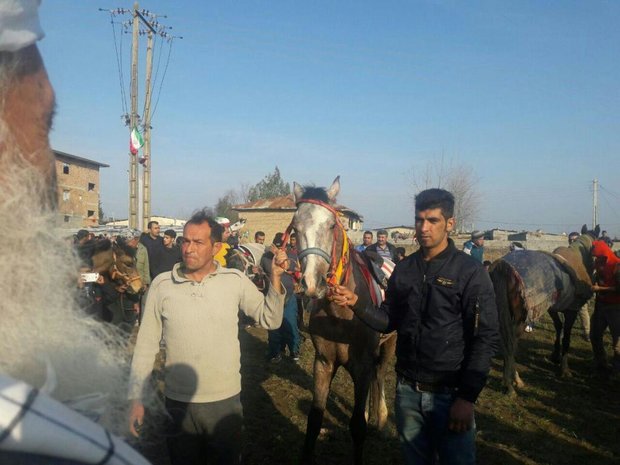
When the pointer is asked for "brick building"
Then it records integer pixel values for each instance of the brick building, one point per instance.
(274, 215)
(78, 189)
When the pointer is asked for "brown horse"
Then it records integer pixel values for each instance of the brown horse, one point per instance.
(530, 283)
(116, 263)
(339, 337)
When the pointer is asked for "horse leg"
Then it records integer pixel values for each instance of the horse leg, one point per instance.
(512, 316)
(324, 372)
(557, 324)
(569, 320)
(377, 386)
(358, 425)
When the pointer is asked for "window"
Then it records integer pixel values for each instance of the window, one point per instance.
(65, 168)
(91, 213)
(66, 195)
(91, 186)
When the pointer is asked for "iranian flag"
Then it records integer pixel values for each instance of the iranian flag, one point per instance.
(135, 141)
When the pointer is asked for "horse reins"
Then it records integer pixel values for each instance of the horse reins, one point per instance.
(339, 266)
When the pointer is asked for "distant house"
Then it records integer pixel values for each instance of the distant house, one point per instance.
(165, 222)
(274, 215)
(397, 233)
(78, 189)
(536, 236)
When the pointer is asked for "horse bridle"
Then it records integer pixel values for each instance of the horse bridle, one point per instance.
(116, 272)
(333, 261)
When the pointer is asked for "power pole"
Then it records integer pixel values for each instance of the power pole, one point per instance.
(133, 122)
(594, 203)
(146, 179)
(140, 212)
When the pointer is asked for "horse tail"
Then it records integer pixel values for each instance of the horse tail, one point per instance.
(509, 307)
(377, 407)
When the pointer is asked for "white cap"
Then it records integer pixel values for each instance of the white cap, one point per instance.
(19, 24)
(222, 220)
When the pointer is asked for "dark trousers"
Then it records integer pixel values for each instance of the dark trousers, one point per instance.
(205, 433)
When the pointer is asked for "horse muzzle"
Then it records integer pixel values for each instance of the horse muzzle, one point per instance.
(313, 287)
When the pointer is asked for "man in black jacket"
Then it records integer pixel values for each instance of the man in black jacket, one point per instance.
(441, 303)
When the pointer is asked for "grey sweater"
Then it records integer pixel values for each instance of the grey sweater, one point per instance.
(199, 324)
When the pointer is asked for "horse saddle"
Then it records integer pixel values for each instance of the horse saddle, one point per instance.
(375, 262)
(377, 272)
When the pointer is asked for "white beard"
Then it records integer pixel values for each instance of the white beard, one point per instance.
(40, 323)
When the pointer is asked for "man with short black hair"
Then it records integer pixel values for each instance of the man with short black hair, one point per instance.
(366, 241)
(154, 244)
(170, 255)
(259, 237)
(382, 247)
(193, 309)
(442, 304)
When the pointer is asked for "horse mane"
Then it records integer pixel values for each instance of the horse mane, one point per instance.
(101, 245)
(94, 246)
(315, 193)
(122, 244)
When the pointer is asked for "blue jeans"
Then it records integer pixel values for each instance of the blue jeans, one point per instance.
(422, 423)
(288, 333)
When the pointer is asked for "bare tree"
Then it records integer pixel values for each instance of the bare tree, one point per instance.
(224, 204)
(244, 192)
(458, 178)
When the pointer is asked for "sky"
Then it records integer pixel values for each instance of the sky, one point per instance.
(524, 93)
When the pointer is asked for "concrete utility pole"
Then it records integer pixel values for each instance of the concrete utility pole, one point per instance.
(140, 212)
(133, 122)
(146, 180)
(594, 203)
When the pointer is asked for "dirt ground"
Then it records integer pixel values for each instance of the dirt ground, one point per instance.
(553, 421)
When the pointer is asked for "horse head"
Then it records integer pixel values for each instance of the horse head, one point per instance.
(117, 262)
(318, 233)
(124, 269)
(593, 233)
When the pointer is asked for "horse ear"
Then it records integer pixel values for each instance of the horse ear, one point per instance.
(333, 190)
(298, 192)
(584, 229)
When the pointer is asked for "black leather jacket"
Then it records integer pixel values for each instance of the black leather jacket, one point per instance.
(445, 314)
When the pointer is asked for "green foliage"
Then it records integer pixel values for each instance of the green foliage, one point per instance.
(101, 215)
(272, 185)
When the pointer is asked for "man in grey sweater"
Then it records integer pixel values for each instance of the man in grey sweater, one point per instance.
(193, 309)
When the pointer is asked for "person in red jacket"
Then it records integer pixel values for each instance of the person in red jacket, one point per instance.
(607, 306)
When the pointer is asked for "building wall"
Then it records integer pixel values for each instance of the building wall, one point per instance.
(75, 198)
(270, 222)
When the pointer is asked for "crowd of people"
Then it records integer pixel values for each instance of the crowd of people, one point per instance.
(190, 299)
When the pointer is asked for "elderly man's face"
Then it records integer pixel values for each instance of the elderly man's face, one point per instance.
(26, 113)
(382, 239)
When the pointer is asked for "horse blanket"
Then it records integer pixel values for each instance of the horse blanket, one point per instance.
(544, 283)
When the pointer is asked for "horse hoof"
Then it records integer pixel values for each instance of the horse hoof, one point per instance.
(510, 392)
